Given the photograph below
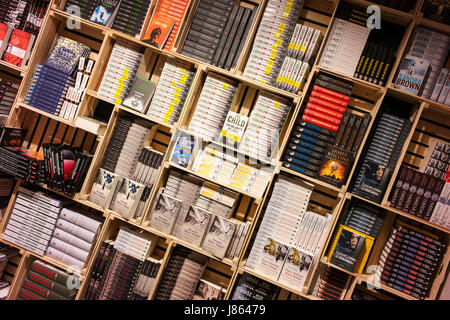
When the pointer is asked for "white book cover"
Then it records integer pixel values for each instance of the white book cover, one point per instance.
(218, 236)
(103, 188)
(165, 213)
(127, 198)
(296, 268)
(272, 258)
(195, 225)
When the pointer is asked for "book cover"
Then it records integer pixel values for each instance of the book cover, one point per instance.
(127, 198)
(165, 214)
(272, 258)
(159, 30)
(412, 75)
(17, 47)
(194, 226)
(183, 149)
(233, 128)
(438, 10)
(105, 12)
(12, 137)
(296, 269)
(218, 236)
(347, 249)
(374, 178)
(336, 165)
(208, 291)
(140, 94)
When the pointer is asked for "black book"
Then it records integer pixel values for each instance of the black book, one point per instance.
(244, 37)
(231, 36)
(225, 35)
(347, 250)
(237, 39)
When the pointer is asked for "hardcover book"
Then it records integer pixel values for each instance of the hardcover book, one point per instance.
(412, 75)
(165, 214)
(218, 236)
(140, 94)
(272, 258)
(195, 225)
(159, 30)
(105, 12)
(295, 269)
(346, 251)
(183, 149)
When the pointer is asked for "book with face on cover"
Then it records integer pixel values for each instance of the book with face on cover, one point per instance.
(347, 248)
(208, 291)
(159, 30)
(165, 213)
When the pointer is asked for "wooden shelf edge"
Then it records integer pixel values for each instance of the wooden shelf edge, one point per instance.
(311, 180)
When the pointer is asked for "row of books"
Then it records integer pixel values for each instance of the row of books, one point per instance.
(8, 92)
(61, 167)
(330, 283)
(327, 135)
(24, 15)
(410, 261)
(200, 214)
(382, 150)
(123, 269)
(302, 49)
(58, 85)
(424, 68)
(355, 50)
(218, 32)
(45, 282)
(46, 225)
(289, 238)
(124, 15)
(272, 40)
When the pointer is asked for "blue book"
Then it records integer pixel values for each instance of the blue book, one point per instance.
(183, 149)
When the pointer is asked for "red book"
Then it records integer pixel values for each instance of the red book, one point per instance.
(335, 94)
(17, 47)
(320, 123)
(3, 30)
(326, 103)
(324, 110)
(321, 116)
(159, 30)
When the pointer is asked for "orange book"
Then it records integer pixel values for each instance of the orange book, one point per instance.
(159, 30)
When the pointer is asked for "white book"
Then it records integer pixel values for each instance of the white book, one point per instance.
(80, 219)
(296, 269)
(195, 225)
(165, 213)
(75, 230)
(69, 249)
(103, 188)
(64, 258)
(71, 239)
(272, 258)
(127, 198)
(218, 236)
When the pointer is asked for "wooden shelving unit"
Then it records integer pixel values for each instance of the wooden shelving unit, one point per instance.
(327, 199)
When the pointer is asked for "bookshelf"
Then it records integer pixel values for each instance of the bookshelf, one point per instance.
(429, 118)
